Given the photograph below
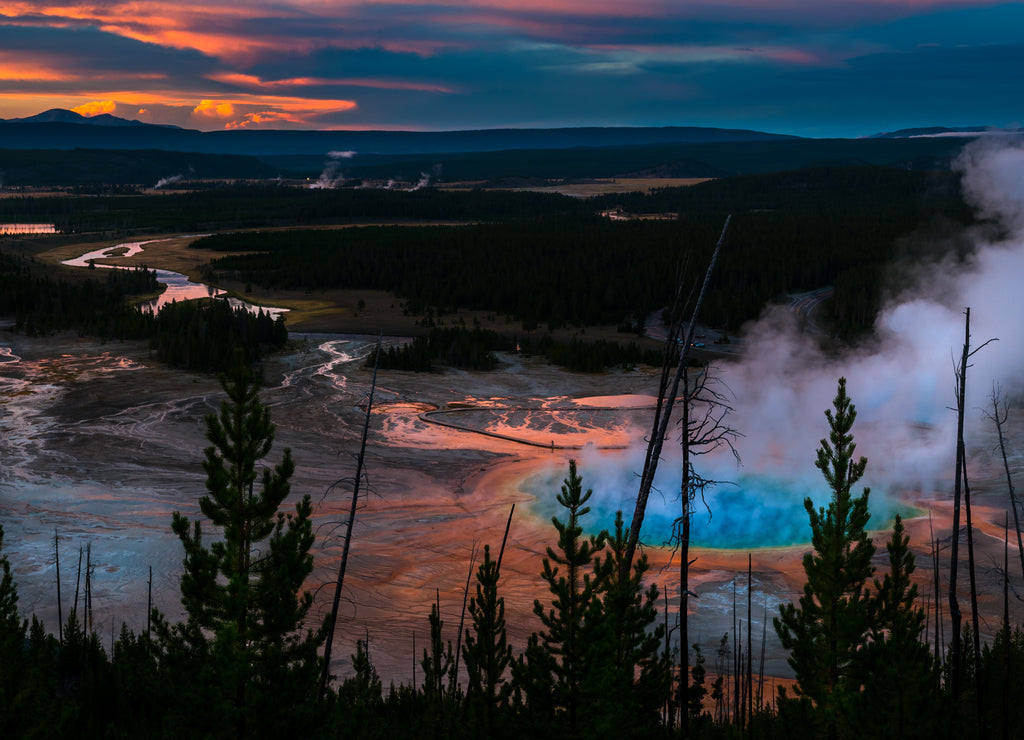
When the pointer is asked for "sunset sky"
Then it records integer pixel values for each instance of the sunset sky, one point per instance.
(809, 67)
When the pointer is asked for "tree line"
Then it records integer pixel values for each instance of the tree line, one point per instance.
(209, 334)
(791, 232)
(192, 335)
(261, 203)
(99, 306)
(474, 349)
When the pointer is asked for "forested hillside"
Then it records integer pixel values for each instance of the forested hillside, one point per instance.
(790, 232)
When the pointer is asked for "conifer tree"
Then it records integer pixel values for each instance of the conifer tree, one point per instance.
(899, 673)
(12, 639)
(242, 659)
(827, 632)
(487, 652)
(697, 691)
(438, 671)
(552, 669)
(365, 684)
(626, 677)
(360, 701)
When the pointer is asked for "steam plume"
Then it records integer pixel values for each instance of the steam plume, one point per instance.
(422, 183)
(902, 385)
(329, 178)
(165, 181)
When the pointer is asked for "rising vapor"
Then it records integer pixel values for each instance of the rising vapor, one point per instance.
(165, 181)
(329, 178)
(902, 385)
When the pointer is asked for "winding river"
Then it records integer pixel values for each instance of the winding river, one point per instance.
(178, 287)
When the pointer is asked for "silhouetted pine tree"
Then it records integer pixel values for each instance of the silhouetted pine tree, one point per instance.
(241, 662)
(551, 671)
(827, 633)
(438, 667)
(358, 704)
(12, 648)
(488, 655)
(626, 679)
(900, 697)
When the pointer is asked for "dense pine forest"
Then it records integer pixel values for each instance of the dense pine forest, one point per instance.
(790, 233)
(201, 336)
(97, 306)
(236, 205)
(549, 260)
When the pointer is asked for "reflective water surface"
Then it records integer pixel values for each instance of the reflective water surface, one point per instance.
(178, 287)
(15, 229)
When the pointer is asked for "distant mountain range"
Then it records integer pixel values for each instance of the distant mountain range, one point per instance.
(63, 129)
(59, 115)
(61, 147)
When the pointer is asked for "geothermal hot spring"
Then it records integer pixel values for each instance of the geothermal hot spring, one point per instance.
(100, 445)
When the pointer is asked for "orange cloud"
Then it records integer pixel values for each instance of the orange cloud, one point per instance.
(95, 108)
(240, 111)
(244, 80)
(29, 71)
(214, 110)
(209, 28)
(246, 111)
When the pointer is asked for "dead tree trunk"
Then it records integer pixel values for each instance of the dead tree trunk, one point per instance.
(939, 646)
(954, 545)
(668, 710)
(999, 417)
(764, 644)
(979, 677)
(60, 608)
(332, 621)
(961, 484)
(666, 399)
(703, 429)
(750, 646)
(504, 539)
(684, 570)
(737, 661)
(78, 582)
(462, 621)
(1006, 628)
(88, 626)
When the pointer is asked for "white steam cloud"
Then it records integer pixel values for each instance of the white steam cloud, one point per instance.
(902, 386)
(329, 178)
(422, 183)
(165, 181)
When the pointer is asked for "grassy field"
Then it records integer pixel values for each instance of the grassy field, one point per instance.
(591, 188)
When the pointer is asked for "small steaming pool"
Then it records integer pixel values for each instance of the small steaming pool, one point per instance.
(751, 511)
